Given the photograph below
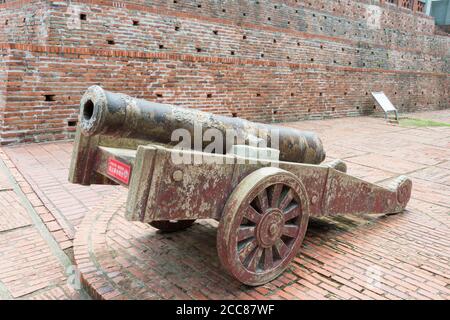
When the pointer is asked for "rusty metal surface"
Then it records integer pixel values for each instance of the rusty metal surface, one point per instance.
(314, 178)
(345, 194)
(187, 191)
(106, 113)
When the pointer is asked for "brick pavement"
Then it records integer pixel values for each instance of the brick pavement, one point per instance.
(45, 167)
(405, 256)
(32, 262)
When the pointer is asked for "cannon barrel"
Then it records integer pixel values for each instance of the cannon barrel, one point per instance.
(116, 114)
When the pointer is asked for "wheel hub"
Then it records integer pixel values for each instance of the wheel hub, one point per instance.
(269, 229)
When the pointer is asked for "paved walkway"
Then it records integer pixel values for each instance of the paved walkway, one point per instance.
(32, 263)
(405, 256)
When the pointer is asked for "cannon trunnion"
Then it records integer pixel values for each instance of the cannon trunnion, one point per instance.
(262, 203)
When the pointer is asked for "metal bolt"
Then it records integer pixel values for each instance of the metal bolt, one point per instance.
(177, 175)
(272, 229)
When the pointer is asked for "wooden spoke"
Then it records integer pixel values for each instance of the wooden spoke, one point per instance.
(291, 213)
(286, 200)
(247, 249)
(262, 225)
(268, 258)
(282, 249)
(254, 261)
(245, 233)
(275, 199)
(290, 230)
(252, 215)
(263, 201)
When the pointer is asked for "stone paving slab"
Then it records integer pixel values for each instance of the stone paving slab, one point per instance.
(422, 154)
(31, 262)
(45, 167)
(405, 256)
(368, 173)
(435, 193)
(386, 163)
(28, 264)
(445, 165)
(12, 214)
(5, 184)
(434, 174)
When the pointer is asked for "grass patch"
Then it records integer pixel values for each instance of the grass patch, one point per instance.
(412, 122)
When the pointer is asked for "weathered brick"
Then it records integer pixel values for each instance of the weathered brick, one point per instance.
(314, 59)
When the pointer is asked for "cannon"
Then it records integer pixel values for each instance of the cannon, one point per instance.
(261, 182)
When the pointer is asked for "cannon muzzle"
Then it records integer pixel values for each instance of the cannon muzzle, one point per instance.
(116, 114)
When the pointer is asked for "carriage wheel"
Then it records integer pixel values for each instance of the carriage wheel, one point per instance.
(263, 225)
(172, 225)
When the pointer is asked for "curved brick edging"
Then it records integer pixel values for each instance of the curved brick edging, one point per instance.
(92, 277)
(52, 223)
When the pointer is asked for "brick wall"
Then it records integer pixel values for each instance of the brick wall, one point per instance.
(310, 58)
(24, 22)
(3, 78)
(179, 33)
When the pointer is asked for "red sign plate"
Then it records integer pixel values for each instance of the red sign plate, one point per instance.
(119, 170)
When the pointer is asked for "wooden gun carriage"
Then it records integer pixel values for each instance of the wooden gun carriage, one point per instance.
(262, 197)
